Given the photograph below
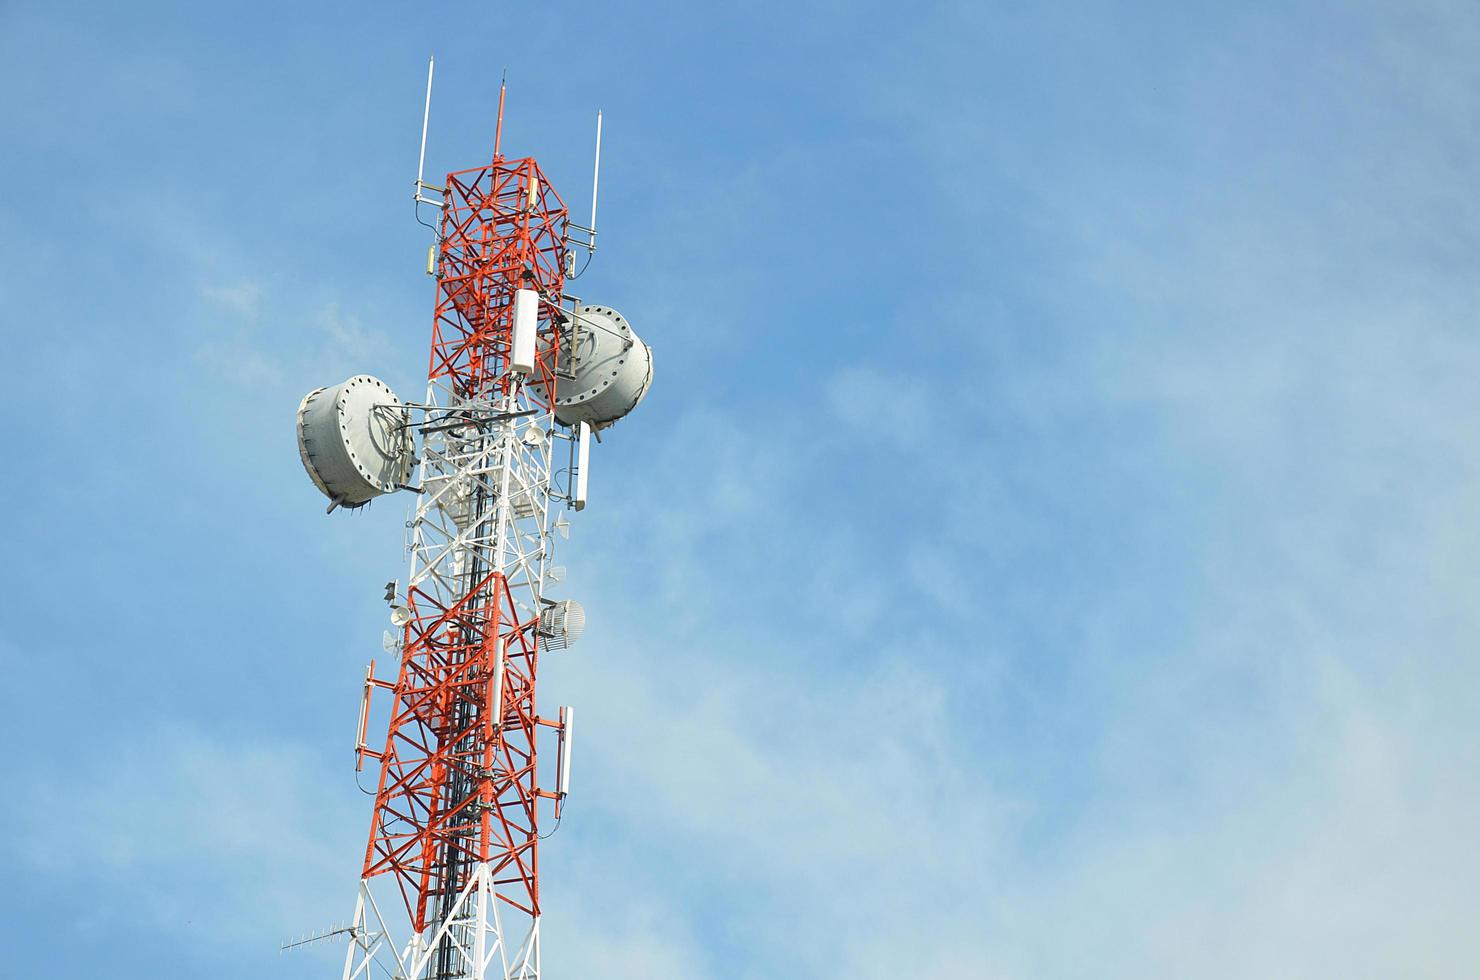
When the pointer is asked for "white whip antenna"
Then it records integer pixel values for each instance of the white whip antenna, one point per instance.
(595, 177)
(421, 161)
(426, 114)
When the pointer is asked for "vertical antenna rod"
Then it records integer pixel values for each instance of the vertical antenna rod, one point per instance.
(426, 114)
(498, 130)
(596, 177)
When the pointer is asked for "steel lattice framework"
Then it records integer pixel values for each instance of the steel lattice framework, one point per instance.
(457, 808)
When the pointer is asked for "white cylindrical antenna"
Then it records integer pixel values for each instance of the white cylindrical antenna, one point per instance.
(426, 114)
(583, 457)
(496, 703)
(526, 324)
(562, 769)
(596, 176)
(364, 720)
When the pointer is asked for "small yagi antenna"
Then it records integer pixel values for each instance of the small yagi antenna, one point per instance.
(329, 933)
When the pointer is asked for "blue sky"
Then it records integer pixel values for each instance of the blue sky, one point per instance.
(1050, 547)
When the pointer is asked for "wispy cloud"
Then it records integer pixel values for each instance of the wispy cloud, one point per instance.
(1239, 510)
(242, 298)
(218, 841)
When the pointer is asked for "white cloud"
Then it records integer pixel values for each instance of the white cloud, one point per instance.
(243, 298)
(346, 339)
(894, 407)
(230, 843)
(1276, 769)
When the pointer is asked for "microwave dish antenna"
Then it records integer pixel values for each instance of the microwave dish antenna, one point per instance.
(562, 623)
(610, 372)
(355, 441)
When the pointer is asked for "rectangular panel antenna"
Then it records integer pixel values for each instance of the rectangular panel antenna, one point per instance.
(496, 701)
(526, 322)
(583, 456)
(562, 774)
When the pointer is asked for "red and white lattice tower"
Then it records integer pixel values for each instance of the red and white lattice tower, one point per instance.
(517, 366)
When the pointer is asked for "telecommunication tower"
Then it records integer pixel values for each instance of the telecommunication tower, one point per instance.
(518, 366)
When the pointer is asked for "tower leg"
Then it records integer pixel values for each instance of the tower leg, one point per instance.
(356, 936)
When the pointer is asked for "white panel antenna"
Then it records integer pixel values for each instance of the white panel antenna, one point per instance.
(562, 774)
(498, 679)
(583, 459)
(526, 323)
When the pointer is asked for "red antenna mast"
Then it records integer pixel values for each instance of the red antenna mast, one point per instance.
(498, 128)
